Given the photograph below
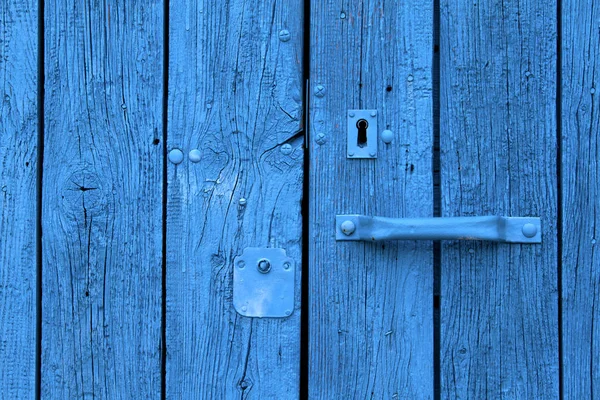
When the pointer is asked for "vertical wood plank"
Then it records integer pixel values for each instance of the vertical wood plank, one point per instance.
(580, 200)
(235, 94)
(371, 309)
(18, 163)
(102, 199)
(499, 316)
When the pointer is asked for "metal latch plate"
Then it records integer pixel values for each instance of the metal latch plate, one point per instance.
(263, 283)
(362, 145)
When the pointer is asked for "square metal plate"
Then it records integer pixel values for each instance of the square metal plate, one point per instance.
(263, 283)
(368, 147)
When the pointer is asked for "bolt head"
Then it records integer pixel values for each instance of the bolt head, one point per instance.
(194, 155)
(264, 266)
(176, 156)
(387, 136)
(529, 230)
(348, 227)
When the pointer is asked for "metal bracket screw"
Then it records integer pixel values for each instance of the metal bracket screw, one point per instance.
(264, 266)
(348, 227)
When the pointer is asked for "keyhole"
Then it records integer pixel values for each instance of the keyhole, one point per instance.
(362, 126)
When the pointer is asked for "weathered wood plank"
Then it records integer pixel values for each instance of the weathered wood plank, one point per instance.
(371, 310)
(580, 201)
(102, 200)
(18, 163)
(235, 93)
(499, 316)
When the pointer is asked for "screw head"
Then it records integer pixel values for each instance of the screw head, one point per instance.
(350, 154)
(194, 155)
(176, 156)
(529, 230)
(284, 35)
(288, 312)
(241, 264)
(242, 202)
(287, 265)
(373, 113)
(320, 139)
(410, 78)
(244, 308)
(286, 149)
(348, 227)
(351, 114)
(319, 90)
(373, 154)
(264, 266)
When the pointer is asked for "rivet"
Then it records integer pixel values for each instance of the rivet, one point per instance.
(242, 201)
(320, 139)
(342, 15)
(264, 266)
(373, 113)
(529, 230)
(593, 90)
(288, 312)
(286, 148)
(527, 74)
(348, 227)
(284, 35)
(372, 154)
(351, 114)
(241, 264)
(287, 265)
(319, 90)
(387, 136)
(194, 155)
(351, 153)
(176, 156)
(410, 78)
(244, 308)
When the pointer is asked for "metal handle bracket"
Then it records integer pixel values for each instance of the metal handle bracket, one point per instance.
(497, 229)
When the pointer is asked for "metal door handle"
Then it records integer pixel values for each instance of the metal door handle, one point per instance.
(497, 229)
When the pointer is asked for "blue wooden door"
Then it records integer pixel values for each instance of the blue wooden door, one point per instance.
(145, 146)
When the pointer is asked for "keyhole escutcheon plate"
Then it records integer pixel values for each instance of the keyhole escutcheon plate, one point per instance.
(362, 134)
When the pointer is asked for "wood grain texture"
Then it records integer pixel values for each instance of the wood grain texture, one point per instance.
(499, 313)
(102, 200)
(235, 93)
(18, 163)
(581, 199)
(371, 310)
